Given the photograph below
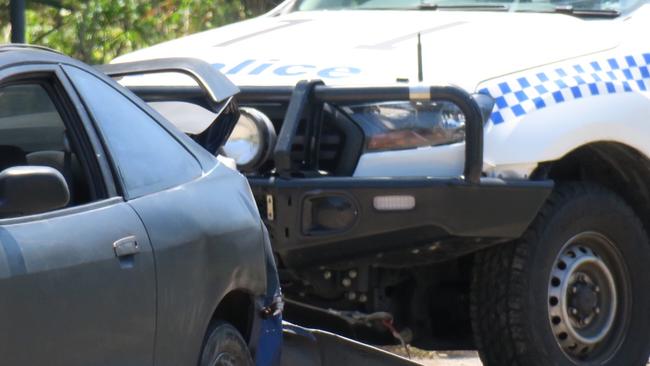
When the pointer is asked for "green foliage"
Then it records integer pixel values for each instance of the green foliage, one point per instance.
(96, 31)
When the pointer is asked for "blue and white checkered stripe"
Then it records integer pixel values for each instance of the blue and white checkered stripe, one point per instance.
(522, 94)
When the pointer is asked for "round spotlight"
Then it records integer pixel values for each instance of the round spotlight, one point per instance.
(251, 141)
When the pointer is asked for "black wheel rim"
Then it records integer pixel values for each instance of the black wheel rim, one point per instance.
(589, 298)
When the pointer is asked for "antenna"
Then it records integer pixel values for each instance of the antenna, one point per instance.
(420, 76)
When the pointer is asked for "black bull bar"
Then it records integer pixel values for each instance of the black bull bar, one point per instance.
(450, 217)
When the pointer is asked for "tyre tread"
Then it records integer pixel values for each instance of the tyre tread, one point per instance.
(499, 284)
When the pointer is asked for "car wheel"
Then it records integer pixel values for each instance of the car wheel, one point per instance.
(572, 291)
(224, 346)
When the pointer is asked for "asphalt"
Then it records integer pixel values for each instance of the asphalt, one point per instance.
(467, 358)
(450, 359)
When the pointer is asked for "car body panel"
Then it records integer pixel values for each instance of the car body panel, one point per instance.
(60, 272)
(211, 246)
(362, 48)
(565, 109)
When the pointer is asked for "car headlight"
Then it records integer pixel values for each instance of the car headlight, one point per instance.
(251, 141)
(411, 124)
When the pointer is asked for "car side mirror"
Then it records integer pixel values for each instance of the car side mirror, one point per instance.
(28, 190)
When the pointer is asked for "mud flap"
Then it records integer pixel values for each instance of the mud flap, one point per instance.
(304, 346)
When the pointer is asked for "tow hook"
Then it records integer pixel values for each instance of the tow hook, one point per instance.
(388, 323)
(273, 309)
(387, 320)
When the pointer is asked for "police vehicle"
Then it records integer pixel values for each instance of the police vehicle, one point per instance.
(454, 174)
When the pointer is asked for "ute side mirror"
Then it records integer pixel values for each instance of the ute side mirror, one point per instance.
(28, 190)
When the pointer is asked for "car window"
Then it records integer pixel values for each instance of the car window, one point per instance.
(33, 133)
(29, 120)
(148, 158)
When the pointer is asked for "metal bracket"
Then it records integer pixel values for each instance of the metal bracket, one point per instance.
(419, 93)
(270, 212)
(301, 102)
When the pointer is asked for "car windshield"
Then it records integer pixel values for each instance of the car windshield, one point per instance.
(611, 7)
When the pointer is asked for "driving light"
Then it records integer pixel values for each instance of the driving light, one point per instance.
(405, 125)
(251, 141)
(394, 203)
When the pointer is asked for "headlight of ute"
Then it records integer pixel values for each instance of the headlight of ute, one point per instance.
(411, 124)
(251, 141)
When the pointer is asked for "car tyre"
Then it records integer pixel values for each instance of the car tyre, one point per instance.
(224, 346)
(572, 291)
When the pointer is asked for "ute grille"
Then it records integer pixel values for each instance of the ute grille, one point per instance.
(328, 154)
(331, 144)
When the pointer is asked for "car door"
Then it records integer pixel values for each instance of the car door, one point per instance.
(77, 285)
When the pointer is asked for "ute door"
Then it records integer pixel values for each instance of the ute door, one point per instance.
(77, 284)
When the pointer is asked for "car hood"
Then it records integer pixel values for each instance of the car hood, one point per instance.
(380, 47)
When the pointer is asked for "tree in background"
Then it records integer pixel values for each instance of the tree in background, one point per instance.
(97, 31)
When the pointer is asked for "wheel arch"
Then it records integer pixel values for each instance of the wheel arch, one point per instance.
(616, 166)
(237, 307)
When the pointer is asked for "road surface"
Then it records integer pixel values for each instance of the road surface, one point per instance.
(450, 359)
(441, 358)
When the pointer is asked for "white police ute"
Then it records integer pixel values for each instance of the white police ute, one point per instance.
(452, 173)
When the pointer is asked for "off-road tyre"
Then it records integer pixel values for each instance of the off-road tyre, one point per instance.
(511, 304)
(224, 346)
